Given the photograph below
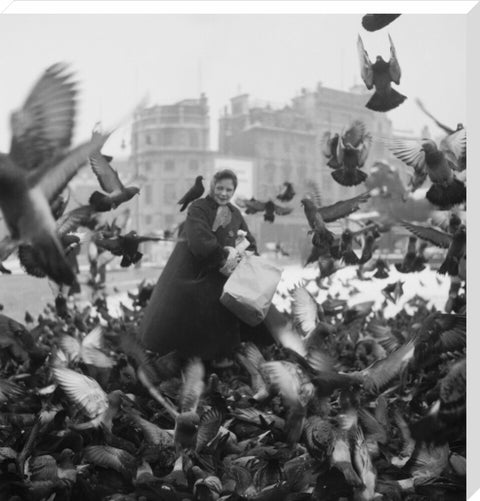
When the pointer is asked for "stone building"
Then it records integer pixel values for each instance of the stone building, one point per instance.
(285, 143)
(170, 147)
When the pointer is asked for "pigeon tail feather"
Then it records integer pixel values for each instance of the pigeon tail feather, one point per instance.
(390, 101)
(446, 196)
(348, 177)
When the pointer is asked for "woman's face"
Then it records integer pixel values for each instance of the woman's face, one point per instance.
(223, 191)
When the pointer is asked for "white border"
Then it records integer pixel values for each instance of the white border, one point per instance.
(345, 7)
(232, 7)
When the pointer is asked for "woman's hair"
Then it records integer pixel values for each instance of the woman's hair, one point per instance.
(224, 174)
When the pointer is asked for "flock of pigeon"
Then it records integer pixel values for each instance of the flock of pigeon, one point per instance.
(346, 405)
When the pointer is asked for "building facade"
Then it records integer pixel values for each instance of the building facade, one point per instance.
(285, 143)
(170, 148)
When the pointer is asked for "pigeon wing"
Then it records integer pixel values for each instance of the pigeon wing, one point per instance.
(70, 221)
(193, 385)
(393, 65)
(44, 125)
(53, 180)
(313, 192)
(82, 390)
(366, 70)
(254, 206)
(343, 208)
(304, 310)
(432, 235)
(106, 175)
(408, 151)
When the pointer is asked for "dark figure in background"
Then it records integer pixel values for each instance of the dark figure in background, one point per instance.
(184, 312)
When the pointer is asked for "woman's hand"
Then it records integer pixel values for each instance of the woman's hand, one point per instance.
(231, 262)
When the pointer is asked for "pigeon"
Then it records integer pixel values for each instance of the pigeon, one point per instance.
(352, 151)
(196, 191)
(68, 223)
(375, 22)
(453, 142)
(269, 208)
(380, 75)
(287, 192)
(456, 244)
(116, 192)
(447, 416)
(330, 149)
(40, 165)
(126, 246)
(427, 159)
(317, 215)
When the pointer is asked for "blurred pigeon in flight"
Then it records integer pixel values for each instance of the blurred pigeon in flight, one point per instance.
(380, 75)
(116, 192)
(40, 165)
(375, 22)
(287, 192)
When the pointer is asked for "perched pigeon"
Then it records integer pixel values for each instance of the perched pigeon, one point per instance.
(196, 191)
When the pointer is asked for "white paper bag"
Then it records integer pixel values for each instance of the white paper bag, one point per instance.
(249, 290)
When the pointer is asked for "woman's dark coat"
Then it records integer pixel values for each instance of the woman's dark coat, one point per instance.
(184, 312)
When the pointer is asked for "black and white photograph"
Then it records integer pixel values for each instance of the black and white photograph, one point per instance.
(233, 254)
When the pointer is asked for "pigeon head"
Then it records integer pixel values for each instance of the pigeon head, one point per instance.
(133, 190)
(429, 146)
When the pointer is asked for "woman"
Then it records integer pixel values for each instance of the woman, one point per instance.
(184, 312)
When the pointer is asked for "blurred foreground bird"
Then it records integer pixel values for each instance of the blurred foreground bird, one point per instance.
(116, 192)
(375, 22)
(269, 208)
(380, 75)
(40, 165)
(196, 191)
(446, 418)
(348, 153)
(126, 246)
(287, 192)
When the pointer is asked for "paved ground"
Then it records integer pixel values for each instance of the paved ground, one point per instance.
(19, 292)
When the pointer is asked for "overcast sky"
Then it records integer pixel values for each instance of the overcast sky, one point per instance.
(120, 58)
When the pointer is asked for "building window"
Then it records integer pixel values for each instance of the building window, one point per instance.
(148, 166)
(286, 146)
(167, 137)
(169, 165)
(148, 194)
(148, 139)
(193, 139)
(270, 147)
(169, 193)
(148, 220)
(301, 150)
(193, 165)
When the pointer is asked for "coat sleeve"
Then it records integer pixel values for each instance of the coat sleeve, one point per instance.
(249, 236)
(201, 240)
